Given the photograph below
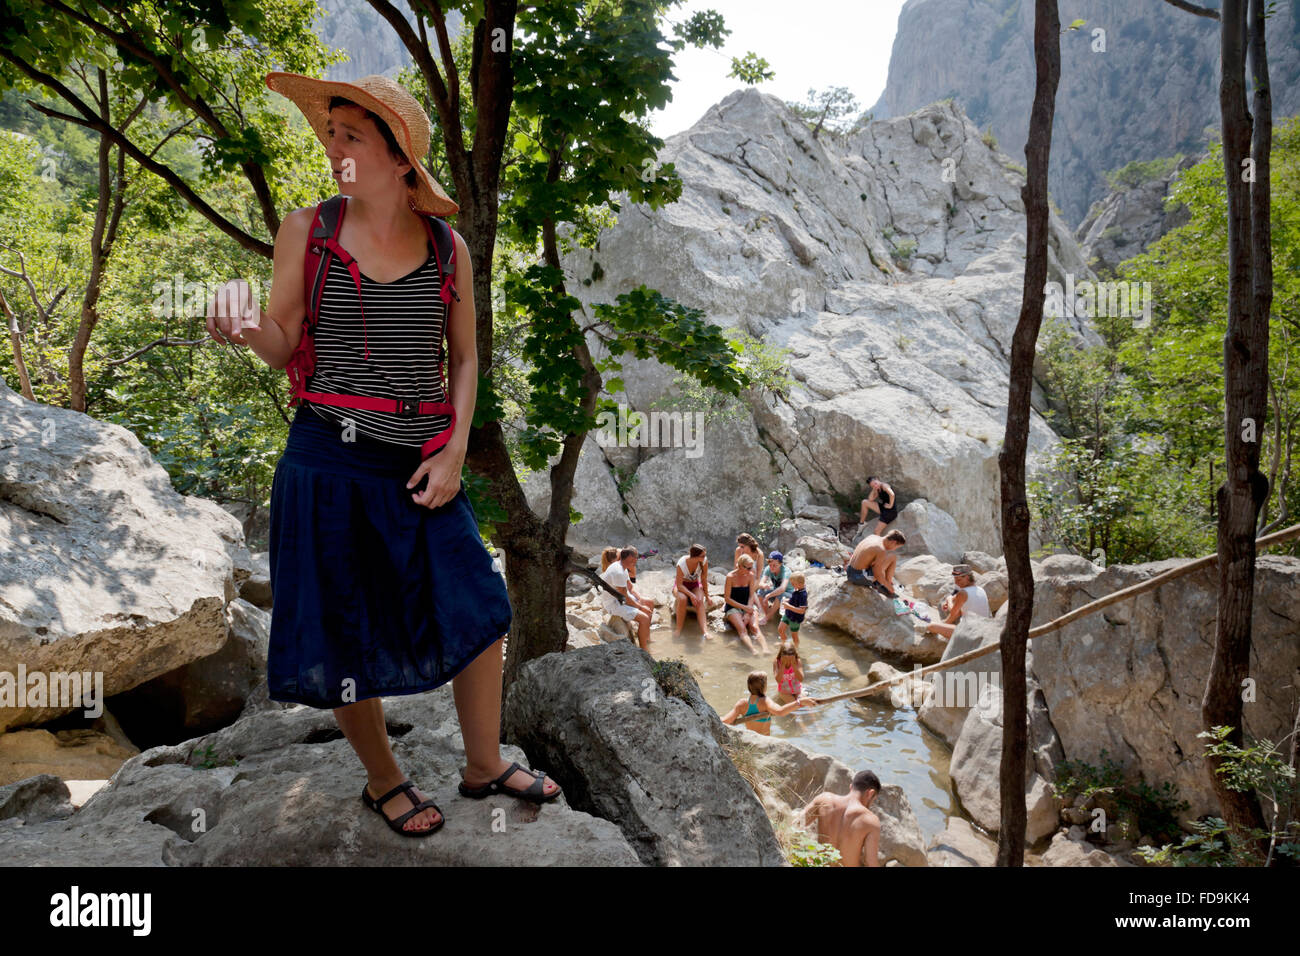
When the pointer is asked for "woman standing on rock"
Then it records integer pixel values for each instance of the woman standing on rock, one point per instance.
(382, 584)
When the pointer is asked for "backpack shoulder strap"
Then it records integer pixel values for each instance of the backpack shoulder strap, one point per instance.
(324, 232)
(444, 249)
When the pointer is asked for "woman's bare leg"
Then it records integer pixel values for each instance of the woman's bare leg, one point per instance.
(363, 724)
(477, 690)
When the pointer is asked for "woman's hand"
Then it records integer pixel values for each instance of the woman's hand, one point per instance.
(443, 470)
(231, 309)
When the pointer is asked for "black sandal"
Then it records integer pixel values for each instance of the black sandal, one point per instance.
(534, 793)
(397, 825)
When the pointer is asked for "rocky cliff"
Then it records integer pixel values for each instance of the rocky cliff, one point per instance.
(1151, 89)
(890, 266)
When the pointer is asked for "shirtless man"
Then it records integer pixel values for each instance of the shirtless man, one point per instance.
(872, 564)
(847, 823)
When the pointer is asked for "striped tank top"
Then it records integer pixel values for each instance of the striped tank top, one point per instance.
(404, 325)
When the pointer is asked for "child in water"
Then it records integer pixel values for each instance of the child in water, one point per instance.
(757, 709)
(793, 609)
(788, 671)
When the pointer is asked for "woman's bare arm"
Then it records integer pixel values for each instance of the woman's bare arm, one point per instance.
(275, 341)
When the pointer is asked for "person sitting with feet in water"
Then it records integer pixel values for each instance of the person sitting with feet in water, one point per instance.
(847, 822)
(691, 589)
(741, 609)
(872, 564)
(774, 586)
(882, 501)
(793, 609)
(969, 599)
(756, 710)
(635, 611)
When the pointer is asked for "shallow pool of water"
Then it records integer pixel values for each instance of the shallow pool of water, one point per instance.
(864, 735)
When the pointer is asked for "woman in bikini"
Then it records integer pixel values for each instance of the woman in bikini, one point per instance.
(382, 584)
(756, 710)
(691, 586)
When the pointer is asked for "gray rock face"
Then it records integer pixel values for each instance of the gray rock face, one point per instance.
(619, 745)
(869, 617)
(789, 777)
(107, 568)
(960, 844)
(36, 799)
(1130, 679)
(976, 762)
(281, 788)
(889, 265)
(982, 54)
(929, 530)
(1125, 223)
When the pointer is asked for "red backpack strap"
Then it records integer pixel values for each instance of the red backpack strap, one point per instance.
(325, 222)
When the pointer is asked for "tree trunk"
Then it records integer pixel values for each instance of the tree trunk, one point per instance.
(536, 569)
(1245, 363)
(16, 343)
(1011, 460)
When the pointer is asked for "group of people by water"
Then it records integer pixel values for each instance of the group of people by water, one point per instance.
(752, 601)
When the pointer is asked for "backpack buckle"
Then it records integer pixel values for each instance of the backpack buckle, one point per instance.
(408, 408)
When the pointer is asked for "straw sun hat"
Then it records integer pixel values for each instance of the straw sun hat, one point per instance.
(387, 100)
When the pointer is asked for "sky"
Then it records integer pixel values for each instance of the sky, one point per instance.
(808, 43)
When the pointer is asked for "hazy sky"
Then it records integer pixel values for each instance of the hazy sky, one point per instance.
(808, 43)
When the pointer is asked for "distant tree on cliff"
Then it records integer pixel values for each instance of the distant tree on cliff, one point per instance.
(829, 109)
(1011, 459)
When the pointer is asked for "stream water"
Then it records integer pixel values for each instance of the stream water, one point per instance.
(864, 735)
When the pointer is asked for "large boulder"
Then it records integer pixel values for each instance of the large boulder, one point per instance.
(929, 530)
(1129, 679)
(207, 694)
(1066, 852)
(960, 844)
(282, 788)
(70, 754)
(869, 617)
(786, 777)
(894, 290)
(108, 570)
(633, 741)
(975, 767)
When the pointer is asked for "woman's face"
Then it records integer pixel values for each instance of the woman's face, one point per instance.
(360, 161)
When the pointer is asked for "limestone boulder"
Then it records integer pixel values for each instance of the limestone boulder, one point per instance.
(960, 844)
(976, 761)
(1127, 681)
(108, 569)
(282, 788)
(869, 617)
(633, 741)
(930, 530)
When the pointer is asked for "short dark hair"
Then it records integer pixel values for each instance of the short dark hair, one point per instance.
(865, 780)
(871, 478)
(626, 553)
(896, 535)
(411, 178)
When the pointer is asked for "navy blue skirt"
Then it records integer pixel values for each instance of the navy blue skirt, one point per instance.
(373, 594)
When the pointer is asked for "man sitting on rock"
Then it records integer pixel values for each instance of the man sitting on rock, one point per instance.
(969, 598)
(637, 610)
(872, 564)
(847, 823)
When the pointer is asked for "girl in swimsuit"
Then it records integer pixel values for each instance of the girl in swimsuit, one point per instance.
(788, 671)
(691, 586)
(756, 710)
(741, 611)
